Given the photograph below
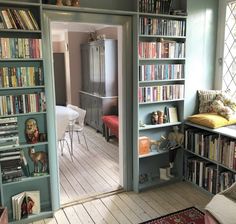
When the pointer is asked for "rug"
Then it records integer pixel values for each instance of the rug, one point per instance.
(187, 216)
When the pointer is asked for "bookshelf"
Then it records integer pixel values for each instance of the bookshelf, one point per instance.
(161, 83)
(209, 157)
(22, 97)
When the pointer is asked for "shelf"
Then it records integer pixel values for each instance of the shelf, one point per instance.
(161, 59)
(23, 145)
(20, 88)
(154, 153)
(20, 31)
(142, 14)
(150, 126)
(17, 3)
(157, 182)
(20, 59)
(28, 114)
(161, 36)
(163, 101)
(25, 179)
(161, 81)
(203, 157)
(31, 218)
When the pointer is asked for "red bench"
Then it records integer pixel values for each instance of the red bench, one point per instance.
(110, 126)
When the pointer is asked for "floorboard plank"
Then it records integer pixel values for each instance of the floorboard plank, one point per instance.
(83, 215)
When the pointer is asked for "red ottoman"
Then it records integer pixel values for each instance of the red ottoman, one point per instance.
(110, 126)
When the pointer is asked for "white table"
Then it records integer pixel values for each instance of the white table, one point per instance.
(65, 119)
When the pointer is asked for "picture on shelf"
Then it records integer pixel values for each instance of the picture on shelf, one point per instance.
(173, 114)
(25, 204)
(31, 131)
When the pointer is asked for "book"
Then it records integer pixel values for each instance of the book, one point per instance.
(173, 115)
(25, 204)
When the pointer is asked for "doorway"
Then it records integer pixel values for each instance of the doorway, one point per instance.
(125, 129)
(86, 68)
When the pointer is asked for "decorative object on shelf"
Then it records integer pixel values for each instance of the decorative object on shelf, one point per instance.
(143, 178)
(154, 117)
(176, 140)
(164, 173)
(76, 3)
(31, 131)
(160, 117)
(92, 36)
(3, 215)
(67, 2)
(38, 157)
(59, 2)
(144, 145)
(42, 137)
(141, 124)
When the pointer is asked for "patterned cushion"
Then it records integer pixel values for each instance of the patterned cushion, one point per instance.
(206, 97)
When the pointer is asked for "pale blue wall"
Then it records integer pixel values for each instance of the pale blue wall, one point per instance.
(200, 49)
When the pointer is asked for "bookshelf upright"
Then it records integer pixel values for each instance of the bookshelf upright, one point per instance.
(23, 101)
(161, 80)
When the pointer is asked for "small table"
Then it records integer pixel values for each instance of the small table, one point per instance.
(65, 118)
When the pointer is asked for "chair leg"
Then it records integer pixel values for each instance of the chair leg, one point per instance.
(78, 137)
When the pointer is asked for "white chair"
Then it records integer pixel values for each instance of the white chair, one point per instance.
(78, 126)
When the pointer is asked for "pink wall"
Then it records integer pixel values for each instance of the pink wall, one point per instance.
(74, 41)
(110, 32)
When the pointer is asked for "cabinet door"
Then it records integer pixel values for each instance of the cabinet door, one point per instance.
(102, 70)
(94, 112)
(85, 64)
(96, 70)
(85, 103)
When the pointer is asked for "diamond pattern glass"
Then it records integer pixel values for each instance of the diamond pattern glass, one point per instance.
(229, 61)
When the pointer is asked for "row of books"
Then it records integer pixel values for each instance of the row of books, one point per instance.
(161, 72)
(12, 18)
(202, 173)
(211, 146)
(25, 204)
(162, 49)
(25, 103)
(21, 76)
(20, 48)
(155, 6)
(159, 26)
(8, 132)
(160, 93)
(226, 179)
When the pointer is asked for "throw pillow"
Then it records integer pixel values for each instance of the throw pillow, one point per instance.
(206, 97)
(223, 110)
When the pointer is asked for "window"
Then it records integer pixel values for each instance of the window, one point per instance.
(226, 53)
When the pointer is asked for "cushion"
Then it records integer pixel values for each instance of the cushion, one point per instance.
(211, 120)
(206, 97)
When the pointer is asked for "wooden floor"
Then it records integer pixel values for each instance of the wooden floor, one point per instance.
(130, 207)
(92, 171)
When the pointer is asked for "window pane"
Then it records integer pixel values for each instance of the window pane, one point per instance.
(229, 65)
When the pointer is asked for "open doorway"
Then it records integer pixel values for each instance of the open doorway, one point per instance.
(98, 169)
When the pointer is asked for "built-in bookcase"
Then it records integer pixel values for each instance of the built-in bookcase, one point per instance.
(22, 96)
(210, 157)
(161, 80)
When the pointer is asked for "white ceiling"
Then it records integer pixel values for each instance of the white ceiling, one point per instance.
(76, 27)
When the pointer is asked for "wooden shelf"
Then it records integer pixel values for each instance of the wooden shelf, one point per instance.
(20, 3)
(150, 126)
(27, 114)
(143, 14)
(161, 59)
(163, 101)
(161, 81)
(161, 36)
(25, 179)
(20, 31)
(23, 145)
(21, 88)
(20, 59)
(154, 153)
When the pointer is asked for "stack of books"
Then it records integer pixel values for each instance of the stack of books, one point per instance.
(10, 158)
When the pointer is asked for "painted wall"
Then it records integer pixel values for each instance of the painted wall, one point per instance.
(74, 41)
(200, 50)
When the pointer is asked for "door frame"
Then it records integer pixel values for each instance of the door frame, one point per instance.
(125, 112)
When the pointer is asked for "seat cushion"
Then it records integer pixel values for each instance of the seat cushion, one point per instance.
(112, 122)
(222, 209)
